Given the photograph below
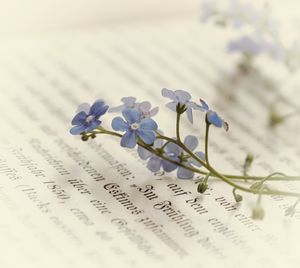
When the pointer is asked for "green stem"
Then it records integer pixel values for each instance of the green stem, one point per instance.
(227, 180)
(249, 190)
(271, 175)
(104, 131)
(259, 178)
(231, 176)
(211, 170)
(150, 149)
(163, 147)
(178, 127)
(206, 141)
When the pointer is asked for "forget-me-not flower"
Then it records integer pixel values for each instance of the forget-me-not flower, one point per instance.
(212, 117)
(155, 162)
(145, 108)
(247, 45)
(264, 37)
(179, 97)
(130, 103)
(87, 117)
(255, 45)
(174, 153)
(134, 127)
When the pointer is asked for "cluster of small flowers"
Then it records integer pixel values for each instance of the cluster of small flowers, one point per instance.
(264, 37)
(138, 127)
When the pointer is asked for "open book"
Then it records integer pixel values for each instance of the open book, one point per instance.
(68, 203)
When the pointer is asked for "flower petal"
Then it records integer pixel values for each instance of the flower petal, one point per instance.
(119, 124)
(117, 109)
(189, 114)
(183, 173)
(98, 108)
(204, 105)
(154, 164)
(246, 44)
(129, 102)
(94, 124)
(79, 119)
(167, 93)
(129, 139)
(191, 142)
(172, 105)
(143, 153)
(144, 106)
(173, 149)
(153, 112)
(194, 106)
(147, 136)
(148, 124)
(168, 166)
(196, 163)
(77, 129)
(214, 118)
(84, 107)
(131, 115)
(158, 143)
(183, 96)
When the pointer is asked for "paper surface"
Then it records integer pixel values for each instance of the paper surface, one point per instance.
(68, 203)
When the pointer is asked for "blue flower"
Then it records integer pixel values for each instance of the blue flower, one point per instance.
(145, 108)
(135, 127)
(130, 103)
(246, 45)
(212, 117)
(174, 150)
(155, 162)
(255, 45)
(87, 117)
(174, 153)
(179, 97)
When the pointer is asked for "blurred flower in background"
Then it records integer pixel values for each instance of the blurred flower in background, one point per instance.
(268, 30)
(258, 30)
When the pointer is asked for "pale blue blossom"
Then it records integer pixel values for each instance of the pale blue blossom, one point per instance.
(179, 97)
(212, 117)
(128, 103)
(87, 117)
(144, 107)
(174, 153)
(134, 127)
(247, 45)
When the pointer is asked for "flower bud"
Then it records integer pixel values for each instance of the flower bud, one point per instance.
(202, 187)
(249, 159)
(84, 138)
(238, 198)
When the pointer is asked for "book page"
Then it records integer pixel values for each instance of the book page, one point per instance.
(68, 203)
(47, 16)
